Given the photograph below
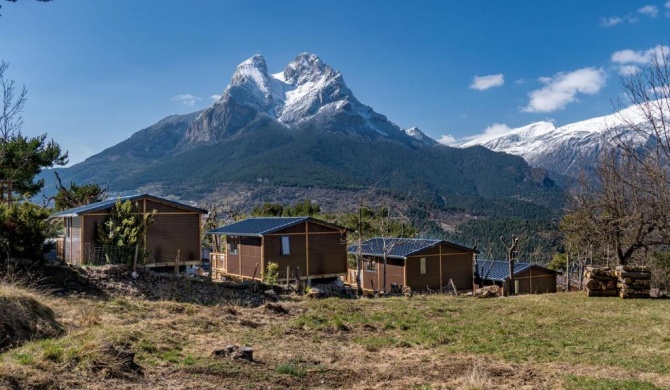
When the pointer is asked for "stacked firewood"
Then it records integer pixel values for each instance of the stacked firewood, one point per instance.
(633, 281)
(600, 282)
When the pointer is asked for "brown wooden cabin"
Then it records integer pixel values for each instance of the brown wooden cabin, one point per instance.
(419, 264)
(532, 279)
(174, 236)
(305, 247)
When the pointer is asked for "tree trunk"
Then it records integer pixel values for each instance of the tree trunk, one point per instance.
(383, 288)
(511, 277)
(359, 287)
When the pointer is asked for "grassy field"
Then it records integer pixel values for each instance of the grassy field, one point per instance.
(424, 342)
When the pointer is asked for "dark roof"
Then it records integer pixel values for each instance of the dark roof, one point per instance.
(400, 248)
(499, 270)
(257, 227)
(109, 203)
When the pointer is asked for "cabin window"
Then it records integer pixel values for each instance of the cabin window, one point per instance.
(285, 246)
(233, 245)
(370, 265)
(422, 265)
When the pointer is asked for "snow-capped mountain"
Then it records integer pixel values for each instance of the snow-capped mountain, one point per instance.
(303, 128)
(419, 135)
(308, 92)
(567, 149)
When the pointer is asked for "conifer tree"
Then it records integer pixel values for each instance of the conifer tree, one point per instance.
(123, 231)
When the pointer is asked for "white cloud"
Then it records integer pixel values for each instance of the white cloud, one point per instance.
(638, 57)
(447, 139)
(628, 70)
(611, 21)
(632, 17)
(649, 10)
(495, 130)
(482, 83)
(215, 97)
(186, 99)
(563, 88)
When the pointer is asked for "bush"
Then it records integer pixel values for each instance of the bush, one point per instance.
(23, 229)
(272, 273)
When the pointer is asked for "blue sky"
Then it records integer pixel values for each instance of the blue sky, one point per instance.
(97, 71)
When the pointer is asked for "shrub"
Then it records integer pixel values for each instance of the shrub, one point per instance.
(272, 273)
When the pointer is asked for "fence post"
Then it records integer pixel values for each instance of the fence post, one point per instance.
(137, 247)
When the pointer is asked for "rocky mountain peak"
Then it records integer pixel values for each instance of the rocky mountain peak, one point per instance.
(420, 136)
(253, 69)
(306, 68)
(307, 93)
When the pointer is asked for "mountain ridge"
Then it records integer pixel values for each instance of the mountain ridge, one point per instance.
(569, 149)
(305, 128)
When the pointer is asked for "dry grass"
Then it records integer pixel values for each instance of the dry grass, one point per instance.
(531, 342)
(24, 316)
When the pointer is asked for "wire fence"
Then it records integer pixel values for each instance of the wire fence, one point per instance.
(109, 254)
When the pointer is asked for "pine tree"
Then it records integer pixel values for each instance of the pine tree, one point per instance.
(123, 231)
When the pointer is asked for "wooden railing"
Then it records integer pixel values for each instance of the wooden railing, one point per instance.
(217, 261)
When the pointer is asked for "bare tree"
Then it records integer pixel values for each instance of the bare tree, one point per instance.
(11, 120)
(511, 259)
(396, 223)
(218, 214)
(627, 206)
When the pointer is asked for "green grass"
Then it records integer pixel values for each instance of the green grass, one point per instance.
(582, 383)
(323, 338)
(291, 369)
(568, 328)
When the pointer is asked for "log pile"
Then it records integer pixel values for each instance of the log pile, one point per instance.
(633, 282)
(600, 282)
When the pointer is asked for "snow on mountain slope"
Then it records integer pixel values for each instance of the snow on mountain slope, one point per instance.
(308, 92)
(567, 149)
(420, 136)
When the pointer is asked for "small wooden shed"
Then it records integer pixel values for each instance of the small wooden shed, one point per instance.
(175, 234)
(533, 279)
(305, 247)
(419, 264)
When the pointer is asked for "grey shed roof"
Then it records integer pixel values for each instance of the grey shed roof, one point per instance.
(499, 270)
(400, 248)
(109, 203)
(258, 227)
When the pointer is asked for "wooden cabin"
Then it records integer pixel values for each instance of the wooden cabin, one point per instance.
(419, 264)
(531, 278)
(173, 237)
(303, 247)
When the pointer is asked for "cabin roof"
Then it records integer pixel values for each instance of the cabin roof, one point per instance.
(258, 227)
(498, 270)
(400, 248)
(109, 203)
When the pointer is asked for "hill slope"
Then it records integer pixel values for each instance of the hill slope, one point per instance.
(397, 343)
(303, 127)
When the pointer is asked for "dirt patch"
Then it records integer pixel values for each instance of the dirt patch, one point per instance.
(117, 281)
